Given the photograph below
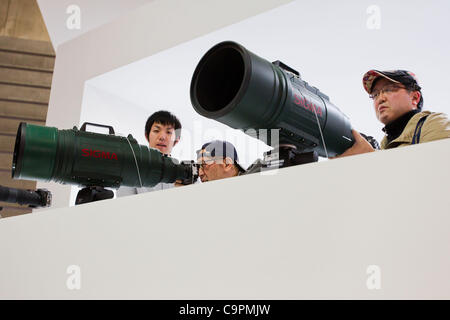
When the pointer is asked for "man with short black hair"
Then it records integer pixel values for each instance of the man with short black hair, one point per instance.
(163, 132)
(398, 102)
(218, 160)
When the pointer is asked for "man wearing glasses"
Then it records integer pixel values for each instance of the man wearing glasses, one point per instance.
(398, 101)
(218, 160)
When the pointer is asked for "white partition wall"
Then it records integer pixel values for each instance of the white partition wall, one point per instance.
(370, 226)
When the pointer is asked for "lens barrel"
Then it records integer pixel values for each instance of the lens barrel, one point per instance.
(32, 198)
(240, 89)
(90, 159)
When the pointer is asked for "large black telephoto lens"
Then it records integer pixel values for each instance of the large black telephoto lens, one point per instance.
(32, 198)
(238, 88)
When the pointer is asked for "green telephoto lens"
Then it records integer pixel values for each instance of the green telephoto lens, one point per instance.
(238, 88)
(91, 159)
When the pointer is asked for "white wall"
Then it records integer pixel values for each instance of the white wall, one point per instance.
(307, 232)
(102, 107)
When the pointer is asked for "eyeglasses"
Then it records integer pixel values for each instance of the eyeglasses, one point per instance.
(203, 162)
(386, 89)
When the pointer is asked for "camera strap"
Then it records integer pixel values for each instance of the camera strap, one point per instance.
(320, 129)
(134, 156)
(416, 136)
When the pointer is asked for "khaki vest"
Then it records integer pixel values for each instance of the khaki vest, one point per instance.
(435, 127)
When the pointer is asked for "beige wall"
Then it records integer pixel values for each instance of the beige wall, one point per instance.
(26, 69)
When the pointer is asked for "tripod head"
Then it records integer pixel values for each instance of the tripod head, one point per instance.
(285, 155)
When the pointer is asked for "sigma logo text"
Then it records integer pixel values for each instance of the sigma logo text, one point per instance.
(98, 154)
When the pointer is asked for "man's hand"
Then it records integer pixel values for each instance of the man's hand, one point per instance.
(178, 183)
(360, 146)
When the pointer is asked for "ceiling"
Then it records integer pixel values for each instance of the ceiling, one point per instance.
(92, 15)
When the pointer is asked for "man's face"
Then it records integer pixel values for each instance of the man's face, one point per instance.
(162, 137)
(214, 169)
(394, 102)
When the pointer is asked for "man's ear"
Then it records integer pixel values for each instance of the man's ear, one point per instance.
(176, 141)
(416, 98)
(146, 138)
(228, 164)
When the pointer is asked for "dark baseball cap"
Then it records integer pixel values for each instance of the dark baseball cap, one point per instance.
(407, 78)
(220, 149)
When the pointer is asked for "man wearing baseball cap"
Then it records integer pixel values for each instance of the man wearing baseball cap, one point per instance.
(398, 101)
(218, 160)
